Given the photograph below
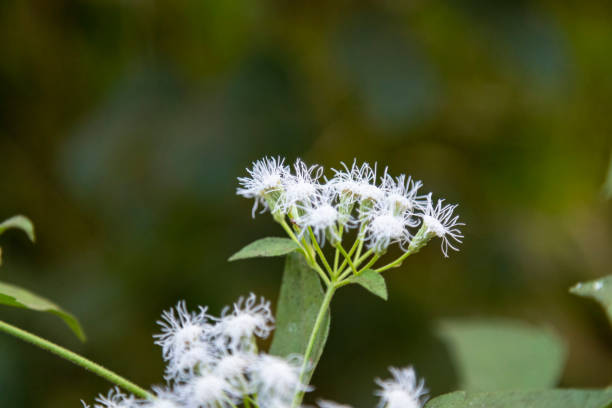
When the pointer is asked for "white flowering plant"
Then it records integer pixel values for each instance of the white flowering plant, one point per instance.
(216, 361)
(315, 212)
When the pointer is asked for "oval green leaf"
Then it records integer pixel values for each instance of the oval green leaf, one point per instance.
(599, 290)
(372, 281)
(525, 399)
(15, 296)
(19, 222)
(266, 247)
(299, 301)
(496, 355)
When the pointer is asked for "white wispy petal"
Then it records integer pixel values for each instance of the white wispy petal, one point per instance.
(441, 221)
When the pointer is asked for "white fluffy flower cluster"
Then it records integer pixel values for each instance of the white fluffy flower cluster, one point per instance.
(385, 209)
(214, 363)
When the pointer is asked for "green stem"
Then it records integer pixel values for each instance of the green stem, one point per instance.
(336, 259)
(351, 252)
(369, 264)
(363, 257)
(396, 263)
(337, 254)
(321, 273)
(306, 251)
(251, 400)
(289, 232)
(360, 238)
(359, 248)
(311, 342)
(356, 262)
(320, 252)
(347, 256)
(76, 359)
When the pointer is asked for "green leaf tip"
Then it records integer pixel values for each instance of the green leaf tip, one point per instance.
(555, 398)
(15, 296)
(265, 247)
(373, 282)
(19, 222)
(503, 354)
(599, 290)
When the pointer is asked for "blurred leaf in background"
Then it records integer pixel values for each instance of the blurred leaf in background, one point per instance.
(495, 355)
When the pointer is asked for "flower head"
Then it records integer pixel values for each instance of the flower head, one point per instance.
(233, 368)
(185, 365)
(356, 183)
(164, 398)
(385, 228)
(247, 318)
(302, 187)
(401, 194)
(439, 221)
(276, 380)
(208, 391)
(403, 391)
(322, 217)
(182, 332)
(266, 178)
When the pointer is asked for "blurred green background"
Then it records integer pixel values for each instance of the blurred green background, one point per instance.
(124, 125)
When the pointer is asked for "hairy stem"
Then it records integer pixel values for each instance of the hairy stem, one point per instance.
(76, 359)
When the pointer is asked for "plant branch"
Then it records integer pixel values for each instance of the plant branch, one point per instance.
(76, 359)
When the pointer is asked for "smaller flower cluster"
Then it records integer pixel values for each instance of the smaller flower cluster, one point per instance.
(385, 210)
(213, 362)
